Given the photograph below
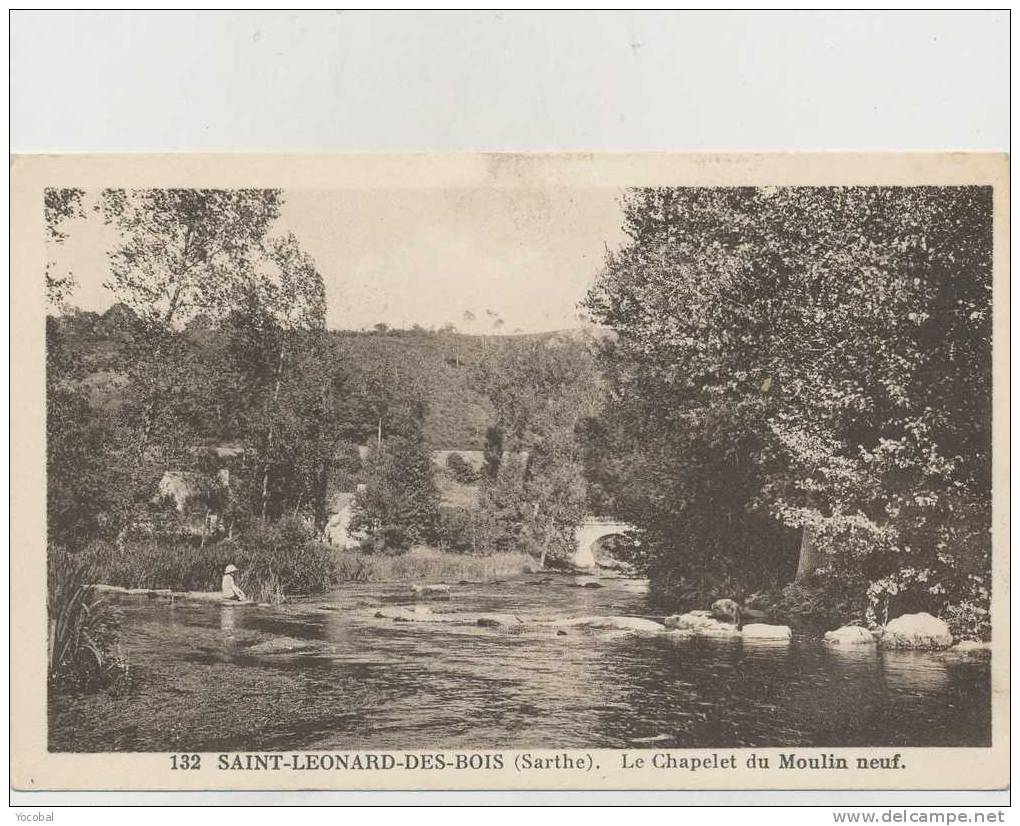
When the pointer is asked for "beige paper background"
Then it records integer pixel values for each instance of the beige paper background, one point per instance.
(32, 767)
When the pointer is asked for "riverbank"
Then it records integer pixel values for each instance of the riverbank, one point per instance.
(274, 568)
(417, 566)
(159, 569)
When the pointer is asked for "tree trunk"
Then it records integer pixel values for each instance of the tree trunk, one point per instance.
(810, 557)
(269, 438)
(168, 317)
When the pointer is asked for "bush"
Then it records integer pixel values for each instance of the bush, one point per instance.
(82, 629)
(282, 558)
(457, 530)
(968, 621)
(460, 469)
(818, 601)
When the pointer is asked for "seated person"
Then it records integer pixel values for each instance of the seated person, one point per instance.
(230, 589)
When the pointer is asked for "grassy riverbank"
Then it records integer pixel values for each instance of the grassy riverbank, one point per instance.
(274, 570)
(432, 565)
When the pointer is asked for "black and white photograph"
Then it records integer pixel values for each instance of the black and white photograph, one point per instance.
(510, 408)
(652, 467)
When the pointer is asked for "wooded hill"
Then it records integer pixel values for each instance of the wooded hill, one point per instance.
(457, 415)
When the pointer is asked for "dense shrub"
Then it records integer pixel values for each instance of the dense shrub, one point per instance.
(818, 602)
(460, 469)
(283, 559)
(969, 621)
(457, 529)
(78, 477)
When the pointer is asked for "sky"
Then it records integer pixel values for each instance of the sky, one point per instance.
(422, 256)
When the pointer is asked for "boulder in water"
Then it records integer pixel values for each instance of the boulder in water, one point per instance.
(967, 650)
(431, 591)
(726, 610)
(850, 635)
(917, 631)
(586, 582)
(400, 614)
(280, 645)
(700, 623)
(615, 623)
(499, 620)
(761, 631)
(972, 647)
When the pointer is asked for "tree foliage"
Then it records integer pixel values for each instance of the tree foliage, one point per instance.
(59, 206)
(791, 357)
(399, 506)
(541, 391)
(185, 251)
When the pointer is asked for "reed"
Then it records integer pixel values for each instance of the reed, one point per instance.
(276, 562)
(83, 651)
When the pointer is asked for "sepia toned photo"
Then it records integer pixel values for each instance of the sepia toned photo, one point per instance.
(558, 458)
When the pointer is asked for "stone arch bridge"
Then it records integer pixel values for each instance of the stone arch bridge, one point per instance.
(590, 536)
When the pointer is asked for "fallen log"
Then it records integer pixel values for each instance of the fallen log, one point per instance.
(167, 593)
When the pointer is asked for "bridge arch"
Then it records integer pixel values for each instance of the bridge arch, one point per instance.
(590, 535)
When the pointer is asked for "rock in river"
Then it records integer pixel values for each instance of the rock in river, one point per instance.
(967, 650)
(850, 635)
(281, 645)
(402, 614)
(431, 591)
(726, 610)
(614, 623)
(761, 631)
(701, 623)
(917, 631)
(499, 621)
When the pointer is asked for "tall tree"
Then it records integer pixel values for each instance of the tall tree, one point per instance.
(293, 294)
(541, 391)
(181, 252)
(59, 206)
(399, 506)
(826, 353)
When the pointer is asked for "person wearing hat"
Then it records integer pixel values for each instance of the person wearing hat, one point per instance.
(230, 589)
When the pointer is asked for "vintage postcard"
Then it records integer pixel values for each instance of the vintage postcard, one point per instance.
(510, 472)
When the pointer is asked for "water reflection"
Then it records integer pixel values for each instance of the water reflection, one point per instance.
(914, 671)
(227, 619)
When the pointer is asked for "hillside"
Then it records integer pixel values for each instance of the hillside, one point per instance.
(457, 415)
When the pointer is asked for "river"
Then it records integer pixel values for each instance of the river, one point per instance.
(373, 683)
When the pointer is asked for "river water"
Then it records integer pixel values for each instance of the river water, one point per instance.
(368, 682)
